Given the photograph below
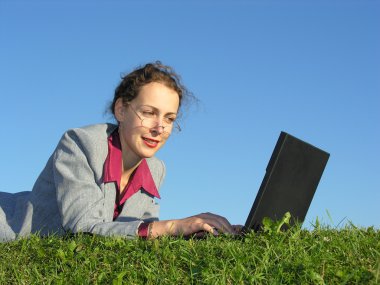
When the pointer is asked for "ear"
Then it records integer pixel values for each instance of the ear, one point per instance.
(119, 109)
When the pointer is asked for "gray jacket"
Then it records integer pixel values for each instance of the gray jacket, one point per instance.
(69, 194)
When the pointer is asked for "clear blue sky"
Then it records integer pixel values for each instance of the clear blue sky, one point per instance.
(310, 68)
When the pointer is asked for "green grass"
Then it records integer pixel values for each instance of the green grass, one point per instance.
(321, 256)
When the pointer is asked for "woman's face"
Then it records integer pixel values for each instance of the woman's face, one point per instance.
(155, 103)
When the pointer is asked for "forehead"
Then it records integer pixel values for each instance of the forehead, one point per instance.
(159, 96)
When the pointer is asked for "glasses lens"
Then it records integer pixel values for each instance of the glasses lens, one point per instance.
(167, 128)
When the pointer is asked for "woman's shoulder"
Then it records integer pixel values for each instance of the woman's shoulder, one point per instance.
(89, 134)
(91, 138)
(154, 162)
(157, 169)
(94, 130)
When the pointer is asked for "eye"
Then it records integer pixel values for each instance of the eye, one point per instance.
(148, 113)
(169, 120)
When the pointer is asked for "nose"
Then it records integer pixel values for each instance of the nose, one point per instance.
(158, 128)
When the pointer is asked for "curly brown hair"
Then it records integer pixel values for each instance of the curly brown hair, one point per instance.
(132, 83)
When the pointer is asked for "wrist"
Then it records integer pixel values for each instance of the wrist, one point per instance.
(163, 228)
(150, 230)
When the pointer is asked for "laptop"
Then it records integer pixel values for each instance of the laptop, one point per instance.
(291, 179)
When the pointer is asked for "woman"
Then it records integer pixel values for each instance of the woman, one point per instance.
(103, 179)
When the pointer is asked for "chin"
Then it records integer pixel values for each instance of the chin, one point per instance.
(147, 154)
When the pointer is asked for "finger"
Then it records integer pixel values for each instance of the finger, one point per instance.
(200, 234)
(219, 222)
(208, 228)
(237, 228)
(223, 224)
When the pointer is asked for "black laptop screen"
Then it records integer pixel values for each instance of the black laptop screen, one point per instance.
(291, 179)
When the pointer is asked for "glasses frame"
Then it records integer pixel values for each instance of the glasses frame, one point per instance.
(175, 126)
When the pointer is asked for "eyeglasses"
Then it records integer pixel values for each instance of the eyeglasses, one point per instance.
(149, 120)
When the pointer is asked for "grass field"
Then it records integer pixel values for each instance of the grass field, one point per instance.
(321, 256)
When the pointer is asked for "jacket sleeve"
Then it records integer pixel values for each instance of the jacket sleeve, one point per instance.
(81, 201)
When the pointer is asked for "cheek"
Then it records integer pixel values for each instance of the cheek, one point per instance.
(163, 141)
(129, 127)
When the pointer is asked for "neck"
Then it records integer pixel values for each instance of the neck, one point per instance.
(130, 163)
(130, 160)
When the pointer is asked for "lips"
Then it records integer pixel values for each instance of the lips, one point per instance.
(150, 142)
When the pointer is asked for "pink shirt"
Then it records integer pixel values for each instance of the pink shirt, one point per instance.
(140, 178)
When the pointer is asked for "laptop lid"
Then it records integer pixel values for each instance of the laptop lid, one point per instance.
(291, 179)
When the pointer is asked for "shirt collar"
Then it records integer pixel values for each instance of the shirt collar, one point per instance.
(142, 177)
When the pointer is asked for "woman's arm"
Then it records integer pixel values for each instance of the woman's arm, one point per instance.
(81, 201)
(83, 204)
(205, 222)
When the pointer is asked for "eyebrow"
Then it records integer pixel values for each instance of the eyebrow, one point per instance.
(158, 111)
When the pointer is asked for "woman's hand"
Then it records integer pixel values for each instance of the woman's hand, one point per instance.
(205, 222)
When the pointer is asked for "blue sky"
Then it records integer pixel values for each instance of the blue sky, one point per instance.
(310, 68)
